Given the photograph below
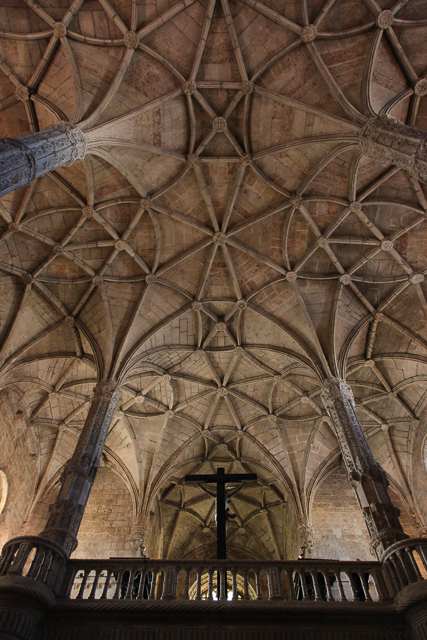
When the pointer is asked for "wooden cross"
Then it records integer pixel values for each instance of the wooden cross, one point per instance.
(220, 479)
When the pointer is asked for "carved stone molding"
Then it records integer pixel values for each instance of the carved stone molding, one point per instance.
(388, 140)
(80, 471)
(24, 159)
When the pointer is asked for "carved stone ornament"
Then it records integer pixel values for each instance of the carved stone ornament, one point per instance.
(322, 242)
(420, 88)
(189, 88)
(14, 226)
(131, 40)
(97, 281)
(417, 278)
(219, 238)
(247, 158)
(291, 276)
(169, 414)
(58, 249)
(22, 93)
(309, 33)
(296, 201)
(166, 377)
(387, 140)
(306, 535)
(222, 391)
(386, 245)
(385, 19)
(151, 278)
(88, 212)
(145, 203)
(356, 206)
(242, 304)
(27, 278)
(219, 124)
(59, 30)
(239, 350)
(196, 305)
(26, 158)
(220, 326)
(345, 278)
(247, 88)
(120, 245)
(70, 321)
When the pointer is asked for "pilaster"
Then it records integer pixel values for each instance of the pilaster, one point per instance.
(366, 476)
(26, 158)
(80, 471)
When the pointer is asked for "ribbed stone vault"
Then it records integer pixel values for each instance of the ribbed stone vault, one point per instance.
(223, 248)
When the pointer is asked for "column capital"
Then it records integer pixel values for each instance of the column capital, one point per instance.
(389, 140)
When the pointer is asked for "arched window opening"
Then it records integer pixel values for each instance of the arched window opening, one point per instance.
(4, 486)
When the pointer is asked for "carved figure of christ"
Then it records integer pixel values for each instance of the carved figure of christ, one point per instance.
(220, 478)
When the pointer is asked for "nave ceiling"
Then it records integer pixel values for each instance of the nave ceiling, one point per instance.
(224, 247)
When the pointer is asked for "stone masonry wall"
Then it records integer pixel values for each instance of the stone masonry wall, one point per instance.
(18, 461)
(339, 527)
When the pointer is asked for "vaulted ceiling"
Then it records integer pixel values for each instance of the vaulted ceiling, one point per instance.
(223, 247)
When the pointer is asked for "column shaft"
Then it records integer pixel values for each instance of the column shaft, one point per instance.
(80, 471)
(24, 159)
(368, 479)
(389, 140)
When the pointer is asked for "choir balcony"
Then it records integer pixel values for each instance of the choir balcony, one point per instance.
(137, 598)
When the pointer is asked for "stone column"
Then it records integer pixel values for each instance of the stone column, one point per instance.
(24, 159)
(366, 476)
(80, 471)
(389, 140)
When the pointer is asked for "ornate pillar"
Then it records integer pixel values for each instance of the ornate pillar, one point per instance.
(24, 159)
(366, 476)
(389, 140)
(80, 471)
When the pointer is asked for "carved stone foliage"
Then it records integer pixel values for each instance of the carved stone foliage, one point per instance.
(28, 157)
(389, 140)
(80, 471)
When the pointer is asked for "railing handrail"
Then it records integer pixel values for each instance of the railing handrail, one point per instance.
(402, 544)
(36, 540)
(244, 564)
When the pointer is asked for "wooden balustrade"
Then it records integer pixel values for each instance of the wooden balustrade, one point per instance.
(36, 558)
(302, 580)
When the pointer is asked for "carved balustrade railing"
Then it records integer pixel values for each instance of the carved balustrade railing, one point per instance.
(36, 558)
(406, 562)
(321, 580)
(44, 561)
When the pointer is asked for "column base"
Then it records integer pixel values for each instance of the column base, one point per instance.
(23, 606)
(412, 601)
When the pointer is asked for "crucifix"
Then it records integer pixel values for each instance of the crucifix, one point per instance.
(220, 479)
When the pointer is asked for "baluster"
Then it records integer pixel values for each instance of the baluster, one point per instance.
(21, 558)
(222, 584)
(34, 567)
(340, 585)
(116, 595)
(106, 584)
(210, 583)
(352, 585)
(83, 584)
(140, 595)
(417, 571)
(305, 594)
(56, 573)
(365, 585)
(128, 595)
(153, 585)
(318, 595)
(45, 566)
(325, 574)
(246, 584)
(95, 584)
(258, 584)
(234, 583)
(187, 583)
(68, 581)
(290, 573)
(6, 562)
(423, 555)
(397, 572)
(170, 583)
(199, 584)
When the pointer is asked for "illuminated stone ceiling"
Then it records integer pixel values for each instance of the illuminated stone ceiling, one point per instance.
(223, 248)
